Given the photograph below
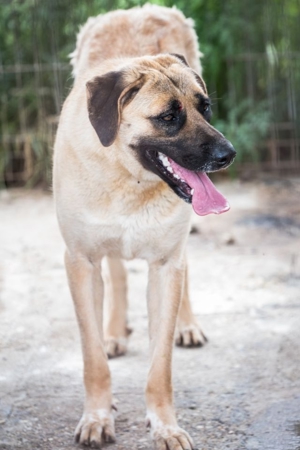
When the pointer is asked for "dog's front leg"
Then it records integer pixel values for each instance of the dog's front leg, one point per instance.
(164, 295)
(86, 286)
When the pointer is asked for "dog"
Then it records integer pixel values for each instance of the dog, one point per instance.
(132, 150)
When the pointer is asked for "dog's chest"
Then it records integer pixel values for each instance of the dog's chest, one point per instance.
(139, 240)
(148, 234)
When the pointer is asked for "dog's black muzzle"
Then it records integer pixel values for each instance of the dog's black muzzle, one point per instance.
(207, 157)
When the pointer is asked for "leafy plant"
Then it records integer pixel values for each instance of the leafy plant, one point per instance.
(250, 51)
(246, 127)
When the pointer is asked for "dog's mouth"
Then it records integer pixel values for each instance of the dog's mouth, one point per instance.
(192, 187)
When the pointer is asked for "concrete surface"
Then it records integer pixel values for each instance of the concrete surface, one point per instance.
(241, 391)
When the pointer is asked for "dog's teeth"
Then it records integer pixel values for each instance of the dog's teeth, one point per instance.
(192, 191)
(176, 176)
(163, 158)
(169, 169)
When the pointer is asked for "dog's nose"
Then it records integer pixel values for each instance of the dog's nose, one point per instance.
(224, 154)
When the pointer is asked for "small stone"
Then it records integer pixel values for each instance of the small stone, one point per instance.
(228, 239)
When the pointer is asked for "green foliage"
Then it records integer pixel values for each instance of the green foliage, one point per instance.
(246, 125)
(42, 173)
(43, 32)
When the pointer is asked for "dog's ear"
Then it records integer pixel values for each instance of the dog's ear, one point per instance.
(181, 57)
(198, 78)
(106, 96)
(200, 81)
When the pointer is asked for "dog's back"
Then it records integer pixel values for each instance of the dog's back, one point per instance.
(149, 30)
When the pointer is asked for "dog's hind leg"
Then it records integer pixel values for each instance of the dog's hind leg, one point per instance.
(188, 331)
(116, 330)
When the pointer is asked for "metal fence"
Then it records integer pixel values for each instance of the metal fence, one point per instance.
(31, 96)
(26, 153)
(274, 77)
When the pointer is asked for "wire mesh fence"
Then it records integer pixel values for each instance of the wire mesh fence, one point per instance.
(273, 77)
(34, 97)
(256, 80)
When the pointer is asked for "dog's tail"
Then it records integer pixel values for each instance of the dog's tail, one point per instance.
(140, 31)
(78, 57)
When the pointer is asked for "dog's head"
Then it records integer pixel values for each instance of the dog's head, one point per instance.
(158, 110)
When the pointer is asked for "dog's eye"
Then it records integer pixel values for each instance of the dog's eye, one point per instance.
(205, 110)
(169, 117)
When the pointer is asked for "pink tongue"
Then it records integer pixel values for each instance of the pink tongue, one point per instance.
(206, 199)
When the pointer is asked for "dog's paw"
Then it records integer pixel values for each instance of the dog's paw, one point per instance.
(166, 437)
(95, 427)
(190, 336)
(115, 346)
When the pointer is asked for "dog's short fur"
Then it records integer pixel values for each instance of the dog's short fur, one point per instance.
(138, 91)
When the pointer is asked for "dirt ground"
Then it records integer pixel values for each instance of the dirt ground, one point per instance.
(240, 391)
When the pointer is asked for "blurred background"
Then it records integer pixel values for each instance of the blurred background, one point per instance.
(251, 66)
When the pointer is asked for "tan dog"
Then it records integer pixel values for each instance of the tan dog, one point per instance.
(134, 141)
